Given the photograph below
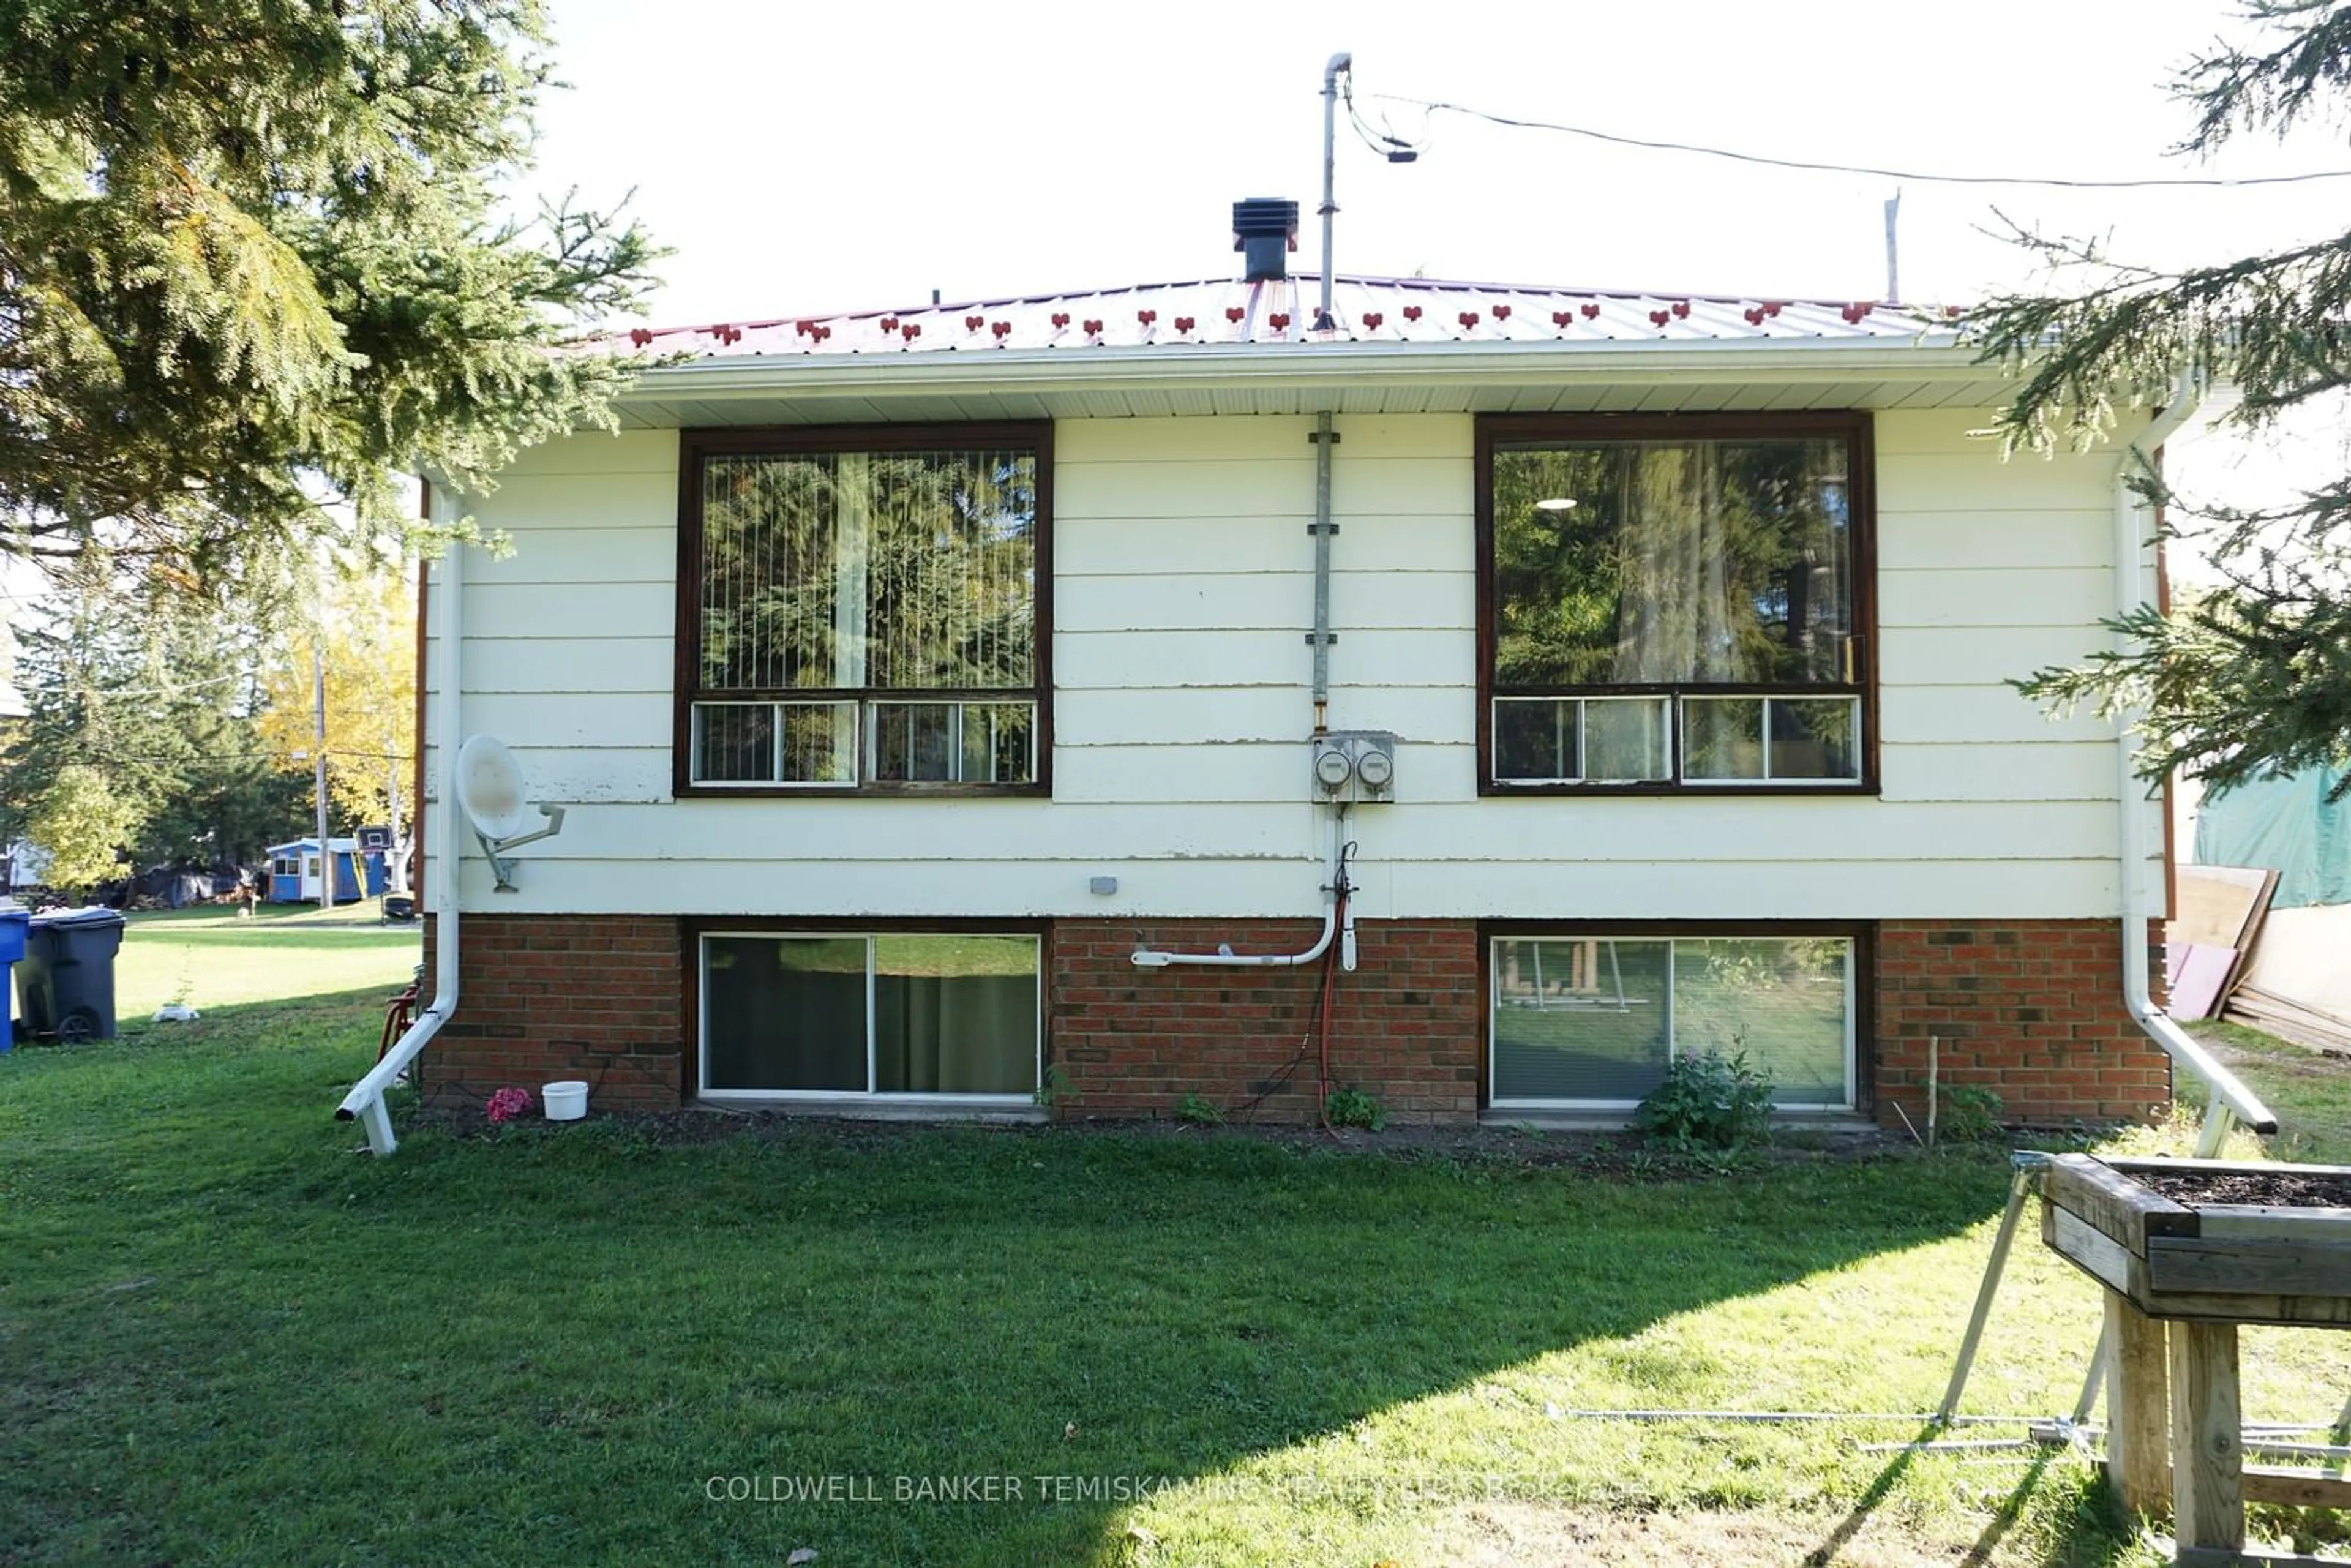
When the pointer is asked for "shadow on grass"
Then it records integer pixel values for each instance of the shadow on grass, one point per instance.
(578, 1344)
(1876, 1493)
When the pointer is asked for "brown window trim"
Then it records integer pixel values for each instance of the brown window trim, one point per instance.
(693, 928)
(694, 445)
(1862, 934)
(1858, 430)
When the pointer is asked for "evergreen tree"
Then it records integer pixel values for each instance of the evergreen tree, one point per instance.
(2255, 677)
(155, 695)
(252, 260)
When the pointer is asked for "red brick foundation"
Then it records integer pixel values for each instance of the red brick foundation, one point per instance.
(2030, 1009)
(548, 996)
(1405, 1026)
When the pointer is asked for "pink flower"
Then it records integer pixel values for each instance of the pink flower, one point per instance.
(507, 1104)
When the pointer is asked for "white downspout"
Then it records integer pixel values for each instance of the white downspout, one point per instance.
(365, 1100)
(2131, 536)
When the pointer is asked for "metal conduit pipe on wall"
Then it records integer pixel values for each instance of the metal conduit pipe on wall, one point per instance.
(1338, 916)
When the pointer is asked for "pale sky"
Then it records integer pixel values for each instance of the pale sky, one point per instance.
(803, 159)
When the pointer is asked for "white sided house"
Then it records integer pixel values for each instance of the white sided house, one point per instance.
(1095, 701)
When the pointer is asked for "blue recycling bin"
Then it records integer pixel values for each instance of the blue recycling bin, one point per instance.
(66, 976)
(13, 926)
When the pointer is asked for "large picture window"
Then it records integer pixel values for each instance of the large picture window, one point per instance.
(859, 611)
(1595, 1020)
(888, 1013)
(1674, 604)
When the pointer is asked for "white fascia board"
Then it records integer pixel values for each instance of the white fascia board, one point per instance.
(1311, 366)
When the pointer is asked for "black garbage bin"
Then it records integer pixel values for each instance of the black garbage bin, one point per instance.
(65, 982)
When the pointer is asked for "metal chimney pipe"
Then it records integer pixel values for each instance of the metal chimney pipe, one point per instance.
(1265, 231)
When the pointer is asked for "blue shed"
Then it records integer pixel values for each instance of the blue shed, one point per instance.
(294, 872)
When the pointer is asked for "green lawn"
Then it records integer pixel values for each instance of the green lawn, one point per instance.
(212, 958)
(227, 1338)
(2309, 1093)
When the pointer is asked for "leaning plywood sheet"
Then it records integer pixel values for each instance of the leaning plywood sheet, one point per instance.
(2220, 904)
(2305, 958)
(2198, 981)
(2249, 941)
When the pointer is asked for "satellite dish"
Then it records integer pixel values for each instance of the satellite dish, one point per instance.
(489, 788)
(491, 793)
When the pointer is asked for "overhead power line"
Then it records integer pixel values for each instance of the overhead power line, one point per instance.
(1384, 144)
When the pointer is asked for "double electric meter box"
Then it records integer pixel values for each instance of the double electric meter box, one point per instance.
(1354, 767)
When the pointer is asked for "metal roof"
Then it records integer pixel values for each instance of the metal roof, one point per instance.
(1224, 312)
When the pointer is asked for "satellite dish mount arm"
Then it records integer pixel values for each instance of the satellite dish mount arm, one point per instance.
(491, 793)
(502, 866)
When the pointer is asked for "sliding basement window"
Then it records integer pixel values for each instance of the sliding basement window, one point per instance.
(1592, 1021)
(882, 1014)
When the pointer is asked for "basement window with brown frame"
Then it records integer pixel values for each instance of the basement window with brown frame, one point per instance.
(858, 610)
(1594, 1019)
(956, 1015)
(1674, 603)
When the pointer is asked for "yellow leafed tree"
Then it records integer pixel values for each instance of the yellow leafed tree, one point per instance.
(370, 644)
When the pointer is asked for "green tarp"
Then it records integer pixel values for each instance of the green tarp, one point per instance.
(2287, 825)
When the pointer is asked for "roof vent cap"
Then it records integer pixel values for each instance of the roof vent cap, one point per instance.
(1265, 231)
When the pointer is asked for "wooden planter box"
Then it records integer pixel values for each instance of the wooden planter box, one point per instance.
(2243, 1262)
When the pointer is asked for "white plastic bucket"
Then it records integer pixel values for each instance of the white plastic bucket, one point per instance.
(564, 1102)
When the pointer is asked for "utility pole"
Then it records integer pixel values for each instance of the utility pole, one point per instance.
(318, 755)
(1342, 64)
(396, 863)
(1892, 253)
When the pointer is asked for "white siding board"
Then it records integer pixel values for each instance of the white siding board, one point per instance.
(1286, 887)
(496, 609)
(1360, 485)
(1274, 713)
(598, 452)
(1917, 541)
(1176, 775)
(1979, 655)
(1980, 482)
(527, 503)
(2028, 774)
(1976, 715)
(1126, 660)
(1122, 442)
(997, 832)
(815, 886)
(558, 555)
(572, 720)
(1563, 836)
(1821, 890)
(1261, 543)
(2059, 596)
(606, 666)
(565, 775)
(1359, 600)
